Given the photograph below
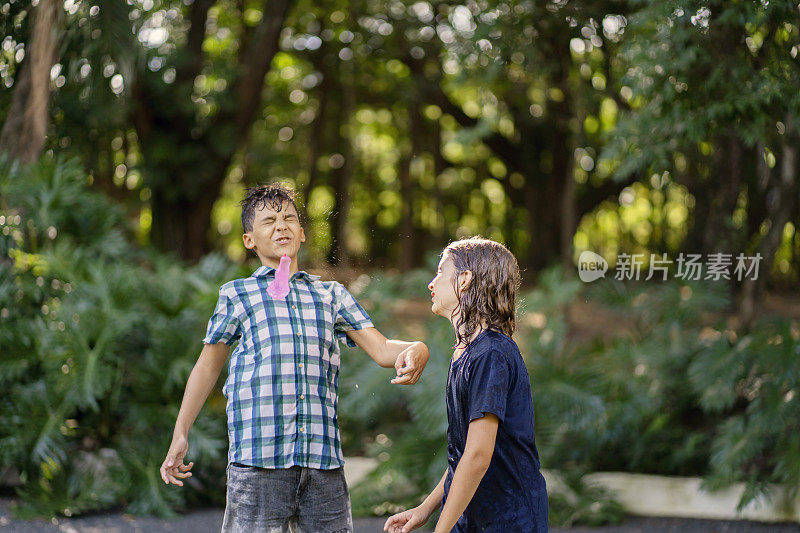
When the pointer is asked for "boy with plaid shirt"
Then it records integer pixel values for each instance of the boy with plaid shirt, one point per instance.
(284, 458)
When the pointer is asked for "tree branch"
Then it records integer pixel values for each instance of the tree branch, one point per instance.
(614, 95)
(198, 16)
(588, 198)
(255, 60)
(503, 148)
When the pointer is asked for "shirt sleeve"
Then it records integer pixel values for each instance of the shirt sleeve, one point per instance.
(223, 326)
(488, 383)
(349, 315)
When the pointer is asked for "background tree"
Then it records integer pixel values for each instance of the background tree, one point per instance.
(25, 127)
(714, 111)
(618, 127)
(554, 128)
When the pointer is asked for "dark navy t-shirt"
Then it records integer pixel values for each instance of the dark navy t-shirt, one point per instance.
(490, 377)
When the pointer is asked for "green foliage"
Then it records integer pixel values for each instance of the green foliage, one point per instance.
(633, 385)
(699, 397)
(753, 381)
(98, 340)
(578, 502)
(689, 89)
(99, 337)
(672, 392)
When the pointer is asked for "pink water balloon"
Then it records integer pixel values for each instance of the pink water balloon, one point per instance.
(279, 287)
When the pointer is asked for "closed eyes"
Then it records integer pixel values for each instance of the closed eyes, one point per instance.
(270, 220)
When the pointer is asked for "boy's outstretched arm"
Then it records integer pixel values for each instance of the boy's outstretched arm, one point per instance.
(472, 466)
(408, 358)
(202, 379)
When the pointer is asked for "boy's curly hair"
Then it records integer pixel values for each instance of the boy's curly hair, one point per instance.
(491, 295)
(276, 194)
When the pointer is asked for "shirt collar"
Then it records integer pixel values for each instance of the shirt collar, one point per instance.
(264, 271)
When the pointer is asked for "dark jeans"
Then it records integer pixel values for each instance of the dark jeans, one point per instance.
(296, 499)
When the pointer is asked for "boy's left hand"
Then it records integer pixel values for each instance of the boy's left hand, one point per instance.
(410, 364)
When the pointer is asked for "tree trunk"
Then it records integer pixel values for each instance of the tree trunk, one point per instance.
(545, 196)
(780, 205)
(757, 187)
(719, 232)
(698, 216)
(439, 166)
(563, 191)
(407, 239)
(184, 220)
(338, 252)
(410, 244)
(25, 131)
(316, 142)
(185, 161)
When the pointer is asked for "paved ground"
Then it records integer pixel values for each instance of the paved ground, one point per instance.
(209, 521)
(684, 525)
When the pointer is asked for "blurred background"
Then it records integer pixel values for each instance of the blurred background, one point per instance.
(131, 129)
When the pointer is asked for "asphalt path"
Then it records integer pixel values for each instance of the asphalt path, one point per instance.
(210, 520)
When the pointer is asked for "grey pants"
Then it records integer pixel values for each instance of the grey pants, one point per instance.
(296, 499)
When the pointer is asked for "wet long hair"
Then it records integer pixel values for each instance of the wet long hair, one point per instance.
(491, 295)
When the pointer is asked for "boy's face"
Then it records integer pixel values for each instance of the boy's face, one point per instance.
(443, 295)
(275, 233)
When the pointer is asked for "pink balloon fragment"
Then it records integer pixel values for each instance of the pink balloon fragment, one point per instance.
(279, 287)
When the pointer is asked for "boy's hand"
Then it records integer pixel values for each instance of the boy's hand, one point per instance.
(410, 364)
(406, 521)
(173, 467)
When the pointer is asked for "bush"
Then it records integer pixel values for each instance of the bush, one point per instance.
(685, 393)
(679, 393)
(98, 338)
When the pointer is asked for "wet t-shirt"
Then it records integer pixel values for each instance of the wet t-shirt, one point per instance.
(490, 377)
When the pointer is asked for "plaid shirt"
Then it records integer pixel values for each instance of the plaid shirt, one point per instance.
(282, 377)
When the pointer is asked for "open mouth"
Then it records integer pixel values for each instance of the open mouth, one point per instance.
(283, 240)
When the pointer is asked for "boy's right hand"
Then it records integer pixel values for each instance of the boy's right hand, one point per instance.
(407, 520)
(173, 467)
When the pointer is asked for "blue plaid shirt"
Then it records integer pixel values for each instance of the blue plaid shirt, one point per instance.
(282, 377)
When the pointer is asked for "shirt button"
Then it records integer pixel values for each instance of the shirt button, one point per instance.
(298, 333)
(303, 429)
(300, 365)
(294, 307)
(302, 396)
